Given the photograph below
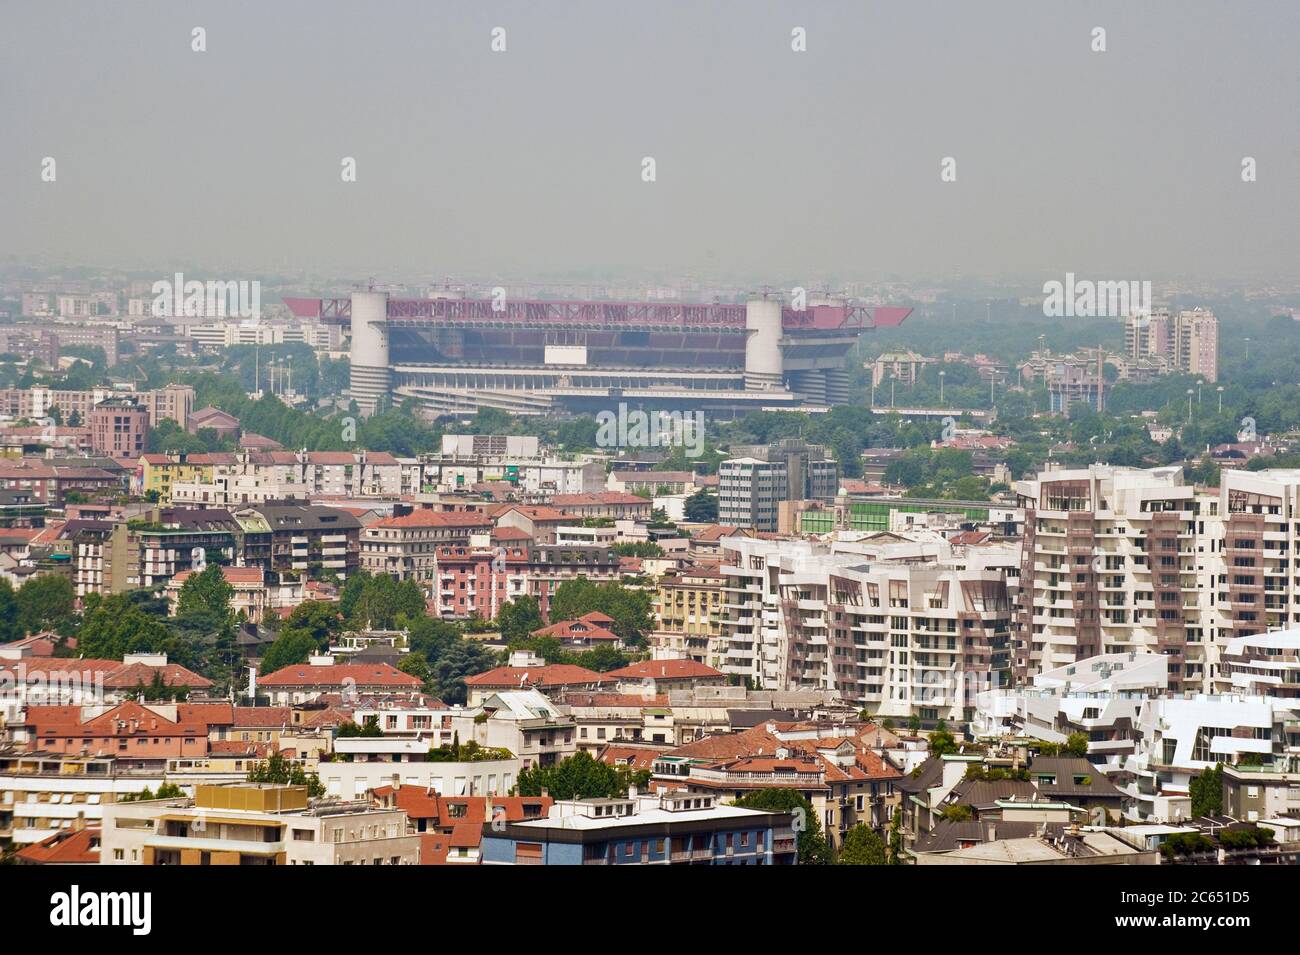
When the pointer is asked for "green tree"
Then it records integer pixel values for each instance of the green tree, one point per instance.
(813, 848)
(518, 618)
(415, 664)
(114, 626)
(289, 649)
(279, 770)
(369, 730)
(1206, 790)
(9, 627)
(1076, 744)
(701, 507)
(942, 742)
(45, 602)
(460, 659)
(630, 609)
(207, 591)
(580, 776)
(862, 846)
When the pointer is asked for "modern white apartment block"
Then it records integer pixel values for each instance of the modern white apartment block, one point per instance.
(1100, 697)
(901, 637)
(1180, 738)
(1114, 560)
(1123, 559)
(1265, 664)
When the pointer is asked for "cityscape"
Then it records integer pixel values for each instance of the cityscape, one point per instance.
(434, 542)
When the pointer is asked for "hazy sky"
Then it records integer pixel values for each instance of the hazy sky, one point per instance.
(1122, 164)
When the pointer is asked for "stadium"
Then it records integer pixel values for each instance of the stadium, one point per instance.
(455, 354)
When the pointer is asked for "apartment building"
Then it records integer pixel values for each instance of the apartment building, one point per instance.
(1122, 559)
(891, 635)
(523, 722)
(251, 477)
(43, 793)
(305, 682)
(307, 539)
(1186, 341)
(688, 604)
(405, 546)
(158, 473)
(1100, 697)
(1257, 569)
(255, 825)
(750, 492)
(667, 829)
(481, 576)
(1265, 664)
(1179, 738)
(172, 401)
(119, 428)
(905, 367)
(810, 469)
(1115, 560)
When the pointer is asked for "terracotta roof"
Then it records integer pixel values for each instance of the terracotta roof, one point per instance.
(666, 670)
(631, 756)
(65, 847)
(330, 716)
(232, 575)
(427, 517)
(126, 719)
(553, 674)
(600, 498)
(754, 741)
(339, 674)
(129, 675)
(263, 716)
(590, 626)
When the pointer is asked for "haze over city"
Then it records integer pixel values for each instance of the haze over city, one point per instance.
(771, 163)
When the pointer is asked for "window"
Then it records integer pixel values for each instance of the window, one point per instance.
(528, 853)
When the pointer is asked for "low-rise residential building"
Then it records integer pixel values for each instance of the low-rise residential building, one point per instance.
(526, 672)
(665, 829)
(308, 681)
(255, 825)
(522, 722)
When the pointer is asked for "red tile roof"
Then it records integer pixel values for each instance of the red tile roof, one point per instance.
(267, 717)
(666, 670)
(65, 847)
(553, 674)
(590, 626)
(339, 674)
(232, 575)
(129, 675)
(427, 517)
(631, 756)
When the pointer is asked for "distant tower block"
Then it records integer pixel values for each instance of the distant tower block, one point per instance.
(370, 370)
(763, 360)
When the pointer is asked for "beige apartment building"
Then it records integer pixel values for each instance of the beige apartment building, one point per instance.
(247, 824)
